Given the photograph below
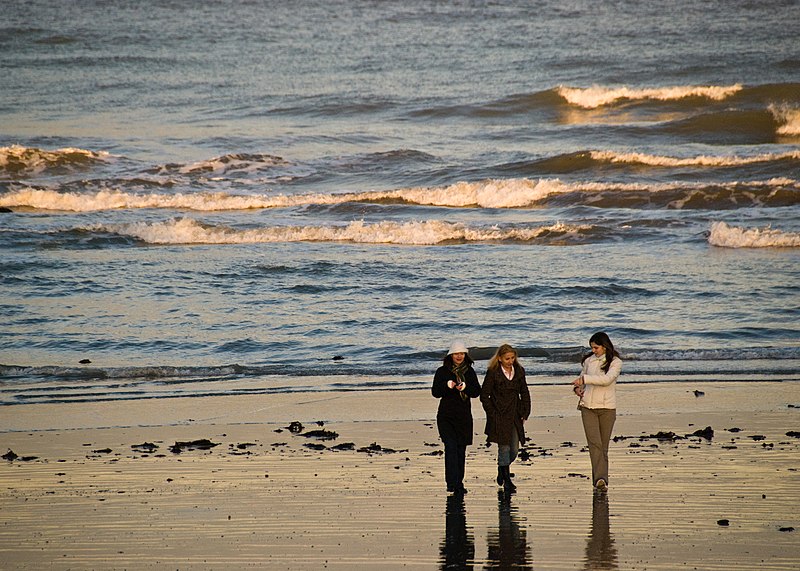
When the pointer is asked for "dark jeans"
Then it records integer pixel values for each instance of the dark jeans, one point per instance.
(455, 457)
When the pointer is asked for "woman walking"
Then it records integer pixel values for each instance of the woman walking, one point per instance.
(455, 383)
(596, 389)
(507, 402)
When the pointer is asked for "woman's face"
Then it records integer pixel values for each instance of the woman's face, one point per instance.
(458, 358)
(598, 350)
(507, 359)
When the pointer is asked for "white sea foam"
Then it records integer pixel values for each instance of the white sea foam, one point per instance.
(189, 231)
(788, 118)
(701, 160)
(598, 96)
(511, 193)
(246, 163)
(727, 236)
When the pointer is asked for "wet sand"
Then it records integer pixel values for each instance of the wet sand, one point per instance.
(97, 495)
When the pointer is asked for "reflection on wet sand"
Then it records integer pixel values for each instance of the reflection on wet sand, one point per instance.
(457, 551)
(508, 544)
(600, 550)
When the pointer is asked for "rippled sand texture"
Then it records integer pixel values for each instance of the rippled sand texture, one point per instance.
(95, 499)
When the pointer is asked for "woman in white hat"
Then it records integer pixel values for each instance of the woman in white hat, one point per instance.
(454, 384)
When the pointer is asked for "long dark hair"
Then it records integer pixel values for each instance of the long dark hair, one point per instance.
(601, 338)
(448, 360)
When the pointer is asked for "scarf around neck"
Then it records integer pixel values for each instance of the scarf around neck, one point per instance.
(458, 371)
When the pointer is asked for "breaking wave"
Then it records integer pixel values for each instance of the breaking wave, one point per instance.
(235, 163)
(788, 118)
(495, 193)
(727, 236)
(17, 160)
(600, 96)
(701, 160)
(190, 231)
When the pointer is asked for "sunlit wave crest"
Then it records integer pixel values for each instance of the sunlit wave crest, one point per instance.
(509, 193)
(429, 232)
(495, 193)
(727, 236)
(700, 160)
(18, 160)
(600, 96)
(788, 117)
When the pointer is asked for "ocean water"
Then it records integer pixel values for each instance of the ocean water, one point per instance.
(248, 197)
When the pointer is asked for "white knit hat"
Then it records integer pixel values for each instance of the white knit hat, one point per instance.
(457, 347)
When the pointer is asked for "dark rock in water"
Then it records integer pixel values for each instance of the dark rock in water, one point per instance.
(344, 446)
(707, 433)
(321, 434)
(314, 446)
(723, 522)
(338, 358)
(698, 393)
(145, 447)
(295, 427)
(5, 210)
(793, 433)
(786, 529)
(202, 444)
(84, 361)
(10, 455)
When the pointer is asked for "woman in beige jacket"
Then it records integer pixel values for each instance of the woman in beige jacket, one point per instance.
(596, 387)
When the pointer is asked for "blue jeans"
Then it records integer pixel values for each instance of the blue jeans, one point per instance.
(507, 453)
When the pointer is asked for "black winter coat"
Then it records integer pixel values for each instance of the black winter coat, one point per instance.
(506, 403)
(454, 418)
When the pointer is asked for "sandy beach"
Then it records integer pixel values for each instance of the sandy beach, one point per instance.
(224, 483)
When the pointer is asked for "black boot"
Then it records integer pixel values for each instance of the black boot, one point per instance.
(508, 485)
(500, 477)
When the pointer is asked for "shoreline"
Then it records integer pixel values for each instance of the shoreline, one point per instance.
(548, 401)
(261, 496)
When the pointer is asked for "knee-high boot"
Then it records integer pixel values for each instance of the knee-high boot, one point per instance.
(508, 485)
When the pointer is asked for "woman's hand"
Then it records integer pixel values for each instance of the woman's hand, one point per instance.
(451, 384)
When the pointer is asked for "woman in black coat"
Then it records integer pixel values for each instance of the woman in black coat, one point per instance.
(507, 402)
(454, 383)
